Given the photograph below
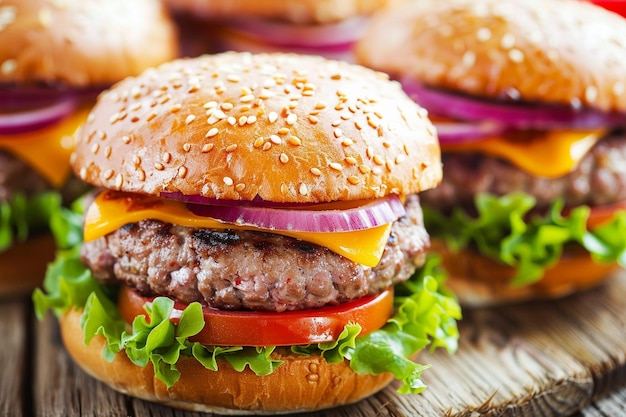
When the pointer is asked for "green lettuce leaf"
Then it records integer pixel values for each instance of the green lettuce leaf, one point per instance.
(22, 216)
(426, 314)
(505, 229)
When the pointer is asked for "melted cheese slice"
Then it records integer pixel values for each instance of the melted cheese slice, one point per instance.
(47, 150)
(112, 210)
(547, 154)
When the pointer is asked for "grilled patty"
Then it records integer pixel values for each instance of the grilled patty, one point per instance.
(599, 179)
(234, 269)
(18, 177)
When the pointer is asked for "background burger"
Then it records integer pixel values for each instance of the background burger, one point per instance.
(54, 58)
(528, 99)
(260, 218)
(328, 27)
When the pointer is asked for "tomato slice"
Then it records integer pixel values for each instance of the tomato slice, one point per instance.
(602, 214)
(263, 328)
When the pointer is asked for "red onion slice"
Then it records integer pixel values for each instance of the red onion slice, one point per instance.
(375, 213)
(32, 119)
(290, 34)
(462, 132)
(26, 97)
(513, 115)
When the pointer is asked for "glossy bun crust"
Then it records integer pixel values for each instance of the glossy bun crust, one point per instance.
(479, 281)
(299, 384)
(278, 127)
(296, 11)
(82, 42)
(562, 51)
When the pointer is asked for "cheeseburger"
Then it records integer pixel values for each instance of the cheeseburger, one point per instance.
(529, 102)
(54, 59)
(254, 216)
(317, 27)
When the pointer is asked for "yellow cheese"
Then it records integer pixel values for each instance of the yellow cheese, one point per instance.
(547, 154)
(112, 210)
(47, 150)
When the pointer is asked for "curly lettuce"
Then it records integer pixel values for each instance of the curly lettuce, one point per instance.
(22, 216)
(506, 229)
(425, 315)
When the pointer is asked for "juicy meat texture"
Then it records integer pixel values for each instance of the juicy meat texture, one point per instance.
(233, 269)
(18, 177)
(599, 179)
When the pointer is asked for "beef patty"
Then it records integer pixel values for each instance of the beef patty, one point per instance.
(234, 269)
(18, 177)
(599, 179)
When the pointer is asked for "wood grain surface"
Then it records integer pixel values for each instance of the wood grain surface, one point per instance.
(552, 358)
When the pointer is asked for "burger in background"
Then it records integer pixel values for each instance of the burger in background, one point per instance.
(529, 101)
(54, 59)
(258, 244)
(315, 27)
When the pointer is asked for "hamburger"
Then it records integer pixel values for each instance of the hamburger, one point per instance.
(528, 100)
(328, 28)
(54, 59)
(257, 244)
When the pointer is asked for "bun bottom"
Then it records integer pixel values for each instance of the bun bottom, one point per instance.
(299, 384)
(480, 281)
(23, 266)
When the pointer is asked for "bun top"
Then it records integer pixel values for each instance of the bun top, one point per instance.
(280, 127)
(82, 42)
(296, 11)
(559, 51)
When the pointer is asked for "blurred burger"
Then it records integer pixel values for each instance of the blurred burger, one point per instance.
(248, 236)
(54, 59)
(528, 100)
(328, 27)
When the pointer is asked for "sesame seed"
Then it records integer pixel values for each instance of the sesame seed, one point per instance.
(233, 78)
(294, 141)
(242, 120)
(313, 119)
(507, 41)
(107, 151)
(267, 146)
(516, 55)
(141, 174)
(247, 98)
(232, 120)
(320, 106)
(283, 158)
(303, 189)
(251, 119)
(119, 180)
(283, 131)
(167, 157)
(272, 116)
(210, 104)
(265, 94)
(193, 88)
(358, 125)
(387, 144)
(95, 147)
(469, 58)
(308, 93)
(336, 123)
(315, 171)
(618, 88)
(226, 106)
(182, 172)
(82, 173)
(219, 114)
(228, 181)
(8, 67)
(483, 34)
(212, 132)
(135, 106)
(338, 133)
(335, 77)
(378, 160)
(258, 142)
(364, 169)
(291, 119)
(372, 123)
(335, 165)
(389, 165)
(186, 147)
(190, 118)
(176, 107)
(354, 180)
(136, 159)
(240, 187)
(346, 116)
(101, 134)
(347, 142)
(283, 188)
(151, 116)
(591, 94)
(207, 147)
(108, 174)
(165, 99)
(231, 147)
(369, 152)
(275, 140)
(159, 166)
(350, 160)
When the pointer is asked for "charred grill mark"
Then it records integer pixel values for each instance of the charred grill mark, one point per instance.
(304, 247)
(216, 238)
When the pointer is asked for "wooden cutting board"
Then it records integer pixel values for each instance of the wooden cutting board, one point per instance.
(552, 358)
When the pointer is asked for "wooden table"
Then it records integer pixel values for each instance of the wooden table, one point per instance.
(557, 358)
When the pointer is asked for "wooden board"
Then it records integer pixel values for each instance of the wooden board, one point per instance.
(551, 358)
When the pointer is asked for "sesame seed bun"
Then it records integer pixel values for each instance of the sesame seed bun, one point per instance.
(296, 11)
(305, 383)
(562, 51)
(279, 127)
(82, 42)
